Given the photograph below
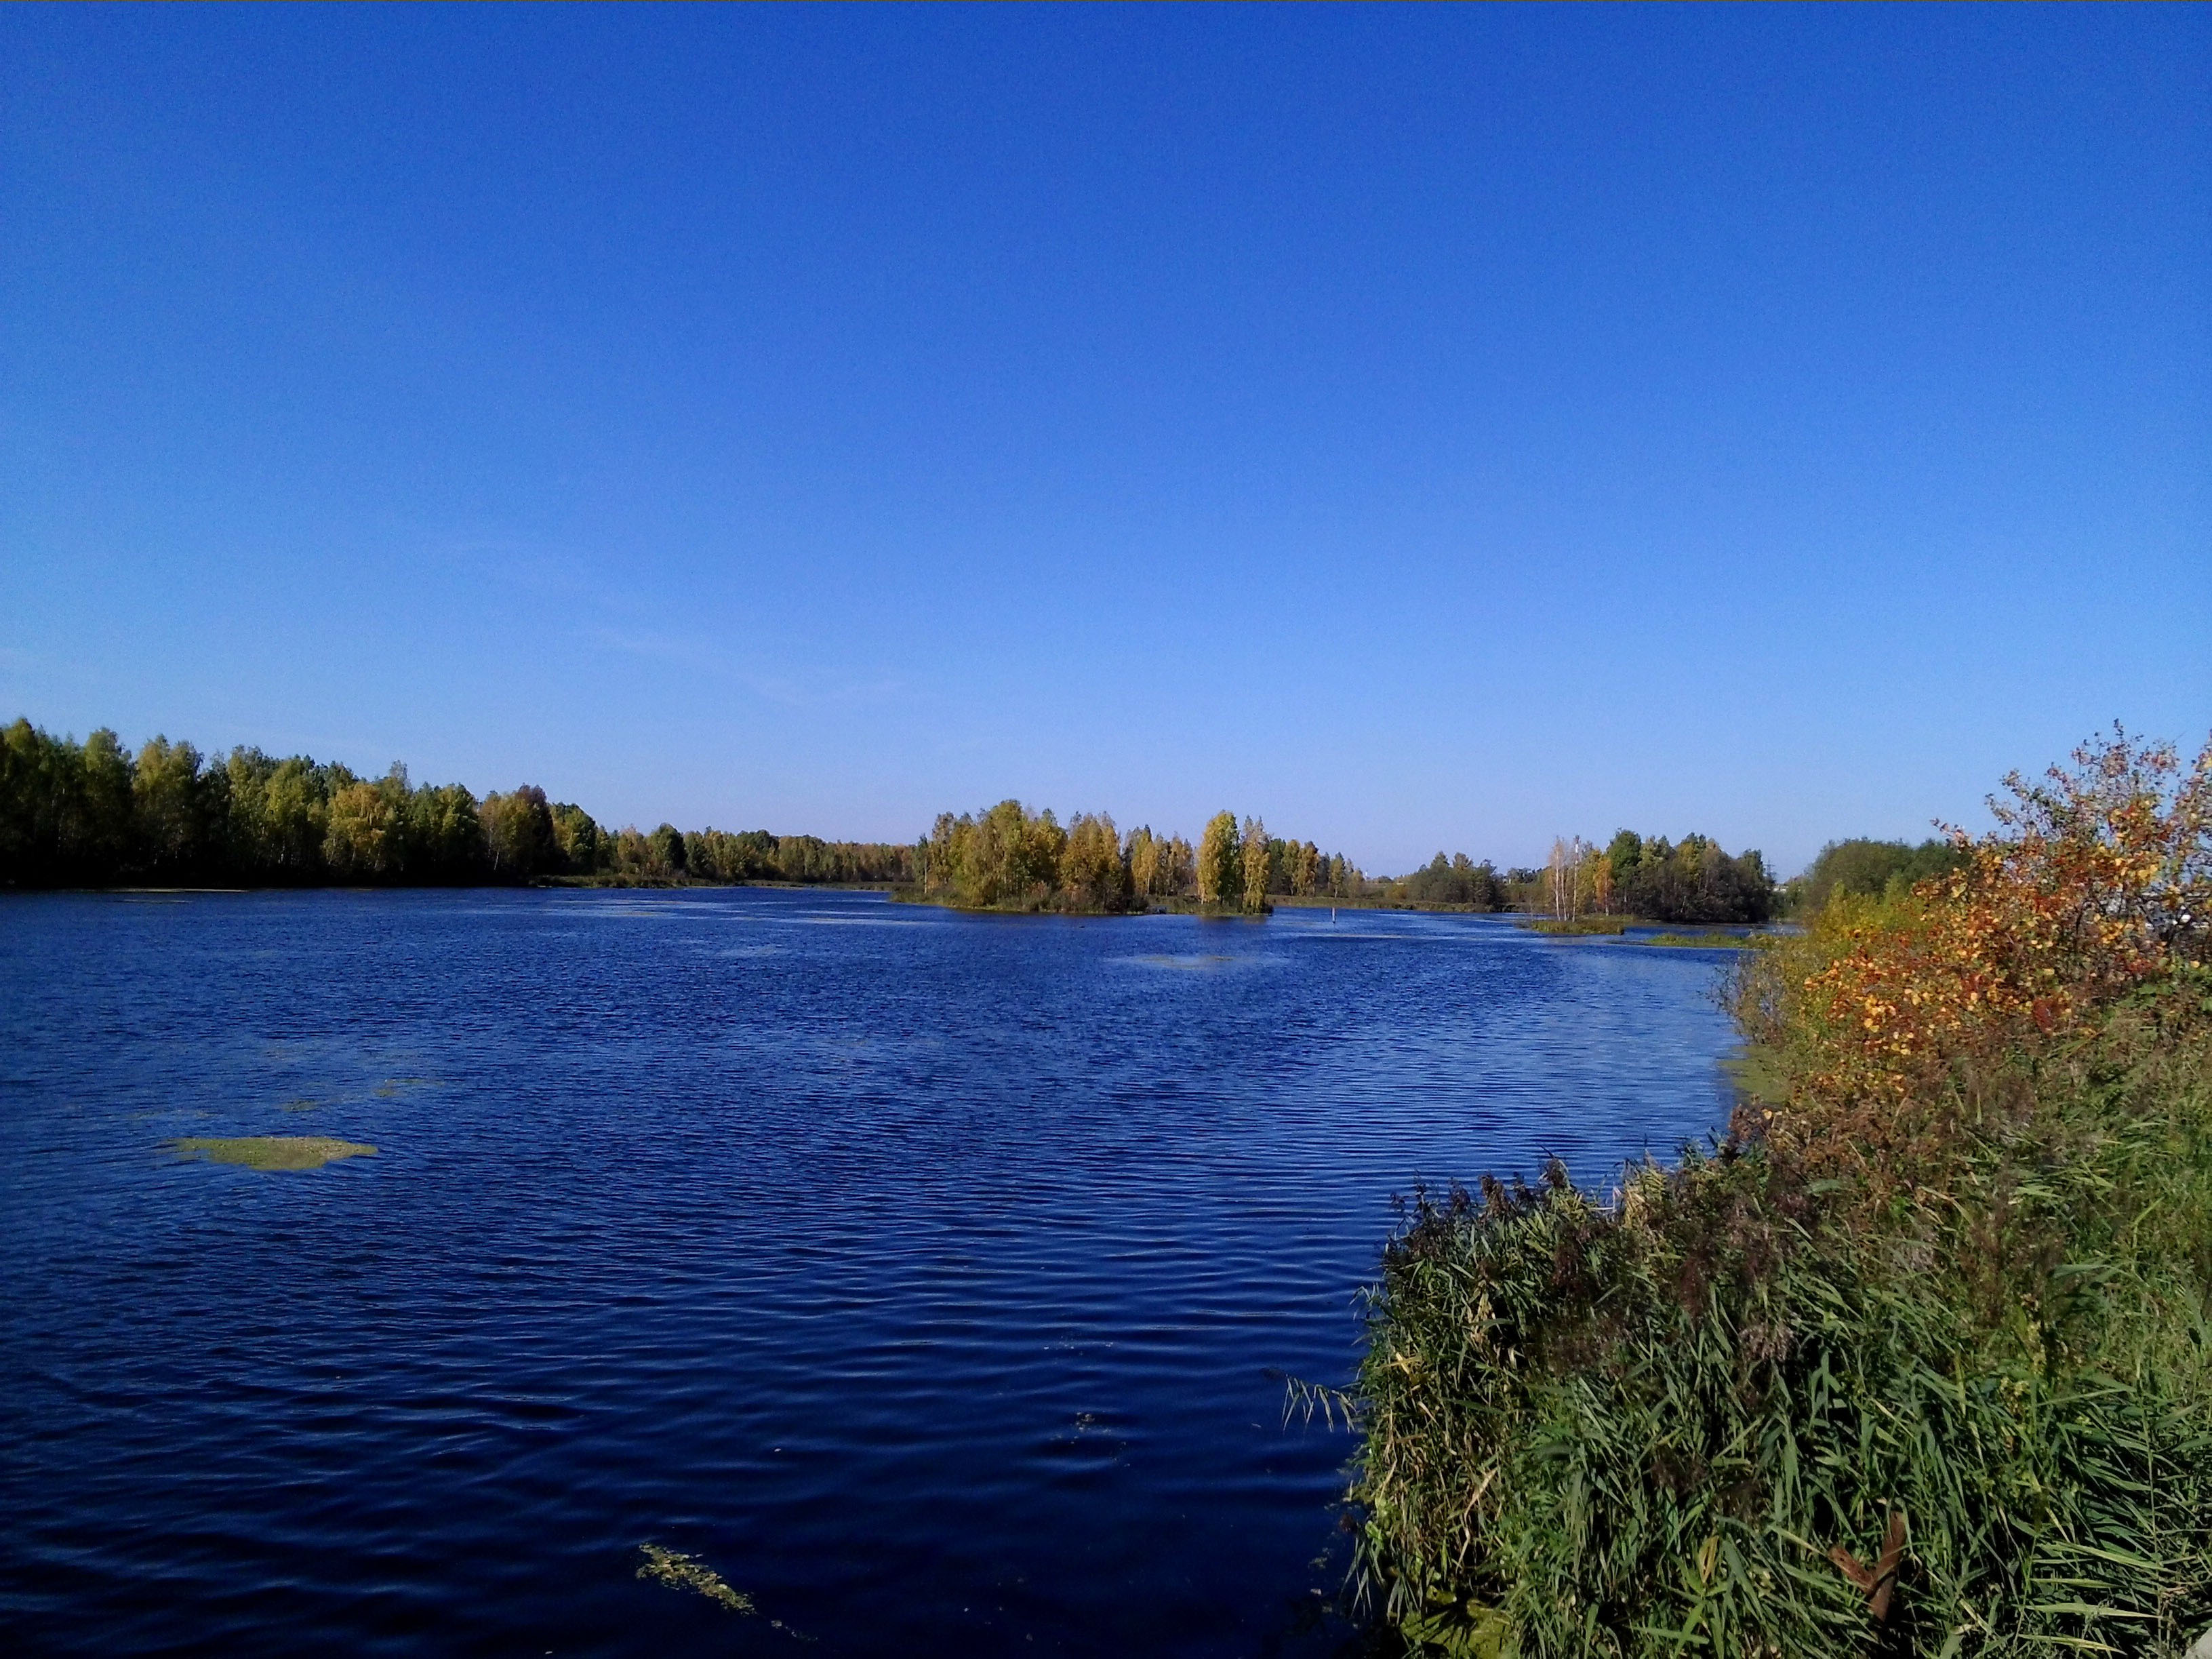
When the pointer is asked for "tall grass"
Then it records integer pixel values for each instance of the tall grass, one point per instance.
(1917, 1361)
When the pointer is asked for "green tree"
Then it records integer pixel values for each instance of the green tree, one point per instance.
(106, 807)
(47, 828)
(445, 835)
(1623, 854)
(578, 838)
(669, 851)
(294, 819)
(176, 807)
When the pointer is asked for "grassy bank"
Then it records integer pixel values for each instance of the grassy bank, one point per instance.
(1917, 1361)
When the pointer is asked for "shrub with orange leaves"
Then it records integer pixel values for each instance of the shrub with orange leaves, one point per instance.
(2098, 879)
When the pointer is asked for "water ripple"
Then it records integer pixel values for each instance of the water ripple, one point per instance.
(929, 1278)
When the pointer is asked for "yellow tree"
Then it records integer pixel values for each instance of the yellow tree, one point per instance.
(1091, 875)
(1143, 859)
(1256, 861)
(1217, 873)
(358, 843)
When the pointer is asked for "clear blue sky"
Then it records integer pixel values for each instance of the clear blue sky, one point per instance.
(1427, 429)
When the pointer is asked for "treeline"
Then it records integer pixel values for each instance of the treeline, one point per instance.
(93, 814)
(1008, 858)
(1457, 881)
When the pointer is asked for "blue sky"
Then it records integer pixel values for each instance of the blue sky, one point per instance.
(1427, 429)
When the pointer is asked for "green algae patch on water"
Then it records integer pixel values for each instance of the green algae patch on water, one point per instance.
(680, 1572)
(269, 1152)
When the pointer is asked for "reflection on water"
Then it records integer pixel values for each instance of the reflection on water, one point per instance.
(928, 1278)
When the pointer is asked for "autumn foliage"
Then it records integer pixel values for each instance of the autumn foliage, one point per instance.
(2098, 879)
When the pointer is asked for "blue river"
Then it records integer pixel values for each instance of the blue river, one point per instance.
(932, 1278)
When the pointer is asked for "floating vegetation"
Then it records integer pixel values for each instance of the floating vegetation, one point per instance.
(1705, 941)
(680, 1572)
(1192, 964)
(302, 1104)
(269, 1152)
(1578, 925)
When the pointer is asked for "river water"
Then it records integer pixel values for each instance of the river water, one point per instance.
(930, 1277)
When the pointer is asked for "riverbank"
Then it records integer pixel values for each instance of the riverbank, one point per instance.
(1421, 907)
(1916, 1361)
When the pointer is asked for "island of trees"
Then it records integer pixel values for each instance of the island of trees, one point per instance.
(1008, 858)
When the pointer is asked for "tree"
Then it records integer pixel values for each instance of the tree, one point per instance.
(359, 843)
(295, 820)
(580, 841)
(1560, 876)
(171, 803)
(1218, 874)
(1345, 880)
(1257, 864)
(1177, 874)
(1092, 875)
(1622, 855)
(444, 835)
(669, 852)
(1143, 858)
(102, 829)
(519, 835)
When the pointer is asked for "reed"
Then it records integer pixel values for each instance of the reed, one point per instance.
(1916, 1361)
